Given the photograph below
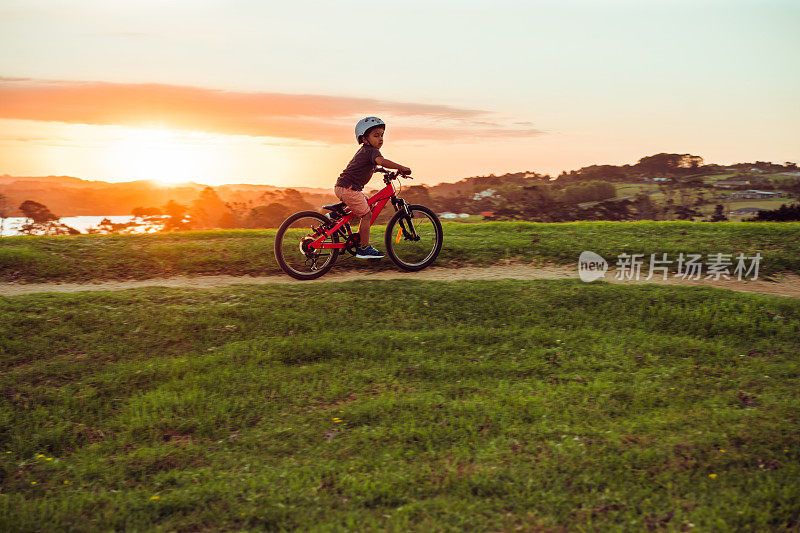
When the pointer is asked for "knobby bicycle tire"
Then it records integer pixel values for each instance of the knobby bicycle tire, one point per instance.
(392, 247)
(279, 250)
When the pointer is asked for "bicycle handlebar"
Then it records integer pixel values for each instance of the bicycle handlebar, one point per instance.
(392, 175)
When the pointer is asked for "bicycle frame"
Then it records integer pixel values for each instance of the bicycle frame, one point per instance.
(376, 202)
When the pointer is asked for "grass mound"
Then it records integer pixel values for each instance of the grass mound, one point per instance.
(250, 252)
(402, 405)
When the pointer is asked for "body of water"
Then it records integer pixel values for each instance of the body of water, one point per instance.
(81, 224)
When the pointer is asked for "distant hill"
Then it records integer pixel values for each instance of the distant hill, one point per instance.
(70, 196)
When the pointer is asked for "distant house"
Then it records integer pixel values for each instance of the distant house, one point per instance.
(463, 215)
(753, 194)
(487, 213)
(448, 215)
(660, 179)
(488, 193)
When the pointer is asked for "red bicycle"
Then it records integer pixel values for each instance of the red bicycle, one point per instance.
(308, 243)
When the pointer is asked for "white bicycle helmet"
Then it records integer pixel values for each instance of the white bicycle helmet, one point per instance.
(366, 124)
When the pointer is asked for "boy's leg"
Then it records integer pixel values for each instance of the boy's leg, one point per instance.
(357, 202)
(363, 229)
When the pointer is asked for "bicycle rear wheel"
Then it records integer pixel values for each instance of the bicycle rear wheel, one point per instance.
(414, 242)
(291, 246)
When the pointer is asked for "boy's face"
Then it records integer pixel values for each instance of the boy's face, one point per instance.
(375, 137)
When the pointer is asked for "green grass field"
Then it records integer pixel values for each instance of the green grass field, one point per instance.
(250, 252)
(765, 204)
(400, 405)
(717, 177)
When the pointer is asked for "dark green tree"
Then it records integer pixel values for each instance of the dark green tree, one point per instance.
(209, 211)
(783, 214)
(719, 214)
(177, 216)
(667, 164)
(267, 216)
(38, 213)
(41, 221)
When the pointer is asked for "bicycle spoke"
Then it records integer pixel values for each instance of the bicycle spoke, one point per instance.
(298, 257)
(417, 240)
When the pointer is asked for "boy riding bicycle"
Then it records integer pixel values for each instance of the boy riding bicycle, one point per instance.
(351, 182)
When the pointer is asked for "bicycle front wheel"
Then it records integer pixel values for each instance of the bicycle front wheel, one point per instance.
(291, 246)
(413, 242)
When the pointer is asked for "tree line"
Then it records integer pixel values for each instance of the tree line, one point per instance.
(207, 211)
(588, 193)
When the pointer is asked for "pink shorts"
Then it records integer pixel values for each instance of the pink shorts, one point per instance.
(355, 200)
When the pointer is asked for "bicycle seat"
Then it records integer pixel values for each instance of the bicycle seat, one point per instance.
(335, 207)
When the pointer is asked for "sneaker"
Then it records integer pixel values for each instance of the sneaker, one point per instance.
(368, 252)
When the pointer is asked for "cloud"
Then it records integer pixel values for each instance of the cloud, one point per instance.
(304, 117)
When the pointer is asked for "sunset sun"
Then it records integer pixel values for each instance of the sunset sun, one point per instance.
(161, 155)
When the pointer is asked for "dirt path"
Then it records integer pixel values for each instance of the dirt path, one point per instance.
(786, 285)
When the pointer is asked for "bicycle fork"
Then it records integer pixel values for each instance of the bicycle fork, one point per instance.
(408, 233)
